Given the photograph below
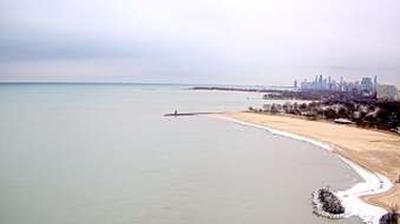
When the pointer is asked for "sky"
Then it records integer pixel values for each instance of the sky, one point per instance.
(185, 41)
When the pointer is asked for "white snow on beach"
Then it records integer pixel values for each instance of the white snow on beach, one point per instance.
(373, 183)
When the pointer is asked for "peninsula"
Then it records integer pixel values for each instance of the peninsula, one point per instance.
(376, 151)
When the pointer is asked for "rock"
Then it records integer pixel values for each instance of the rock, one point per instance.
(390, 218)
(327, 204)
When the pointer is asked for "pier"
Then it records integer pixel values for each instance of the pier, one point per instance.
(176, 114)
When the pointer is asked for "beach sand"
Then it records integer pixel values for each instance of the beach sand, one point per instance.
(376, 151)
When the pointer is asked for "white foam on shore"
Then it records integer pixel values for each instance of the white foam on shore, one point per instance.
(373, 182)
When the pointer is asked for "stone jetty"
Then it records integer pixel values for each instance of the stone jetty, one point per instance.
(327, 204)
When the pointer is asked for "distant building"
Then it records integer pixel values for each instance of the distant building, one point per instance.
(365, 87)
(366, 84)
(389, 92)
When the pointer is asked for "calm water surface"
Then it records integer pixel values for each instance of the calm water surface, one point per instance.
(105, 154)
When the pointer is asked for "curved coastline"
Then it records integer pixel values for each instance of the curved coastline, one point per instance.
(374, 183)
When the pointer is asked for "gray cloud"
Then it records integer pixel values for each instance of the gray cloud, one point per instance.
(199, 41)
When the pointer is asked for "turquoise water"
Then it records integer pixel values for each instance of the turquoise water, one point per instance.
(105, 154)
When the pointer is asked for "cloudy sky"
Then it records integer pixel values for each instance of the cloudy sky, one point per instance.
(219, 41)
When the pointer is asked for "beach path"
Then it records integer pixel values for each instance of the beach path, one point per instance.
(377, 151)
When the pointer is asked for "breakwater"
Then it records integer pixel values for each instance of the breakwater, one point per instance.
(327, 204)
(176, 114)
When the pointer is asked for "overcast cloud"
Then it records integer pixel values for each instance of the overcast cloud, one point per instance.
(225, 41)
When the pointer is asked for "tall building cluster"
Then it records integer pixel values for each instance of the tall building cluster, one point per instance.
(367, 86)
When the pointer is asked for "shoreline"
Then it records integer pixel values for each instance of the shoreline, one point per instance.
(374, 183)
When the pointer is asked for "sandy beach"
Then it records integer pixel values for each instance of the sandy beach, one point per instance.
(375, 151)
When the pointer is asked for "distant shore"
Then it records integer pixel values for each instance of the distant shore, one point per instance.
(244, 89)
(375, 155)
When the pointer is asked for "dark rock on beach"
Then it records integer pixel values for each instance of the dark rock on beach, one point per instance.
(327, 204)
(391, 217)
(330, 203)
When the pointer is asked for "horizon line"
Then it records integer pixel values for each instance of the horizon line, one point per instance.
(129, 83)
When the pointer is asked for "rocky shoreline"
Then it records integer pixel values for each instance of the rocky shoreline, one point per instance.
(327, 204)
(332, 137)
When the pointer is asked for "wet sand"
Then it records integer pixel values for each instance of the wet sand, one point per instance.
(376, 151)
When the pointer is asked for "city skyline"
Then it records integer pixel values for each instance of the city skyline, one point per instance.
(365, 86)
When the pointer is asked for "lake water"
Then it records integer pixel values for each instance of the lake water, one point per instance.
(105, 154)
